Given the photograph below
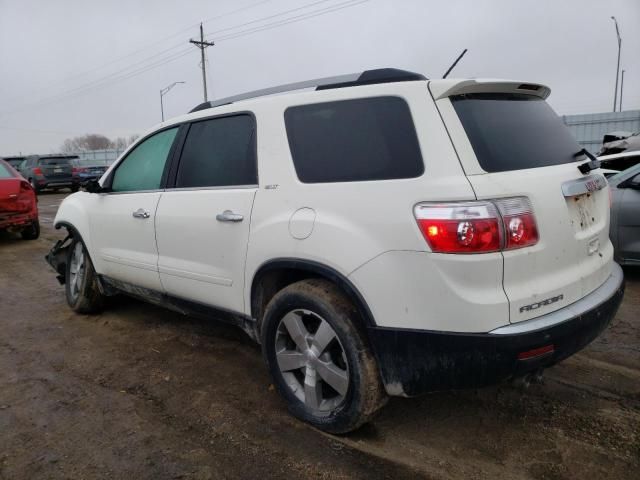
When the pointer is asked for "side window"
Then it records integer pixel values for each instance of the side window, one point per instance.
(143, 166)
(353, 140)
(219, 152)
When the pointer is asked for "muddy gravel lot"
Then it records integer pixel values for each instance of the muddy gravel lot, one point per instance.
(140, 392)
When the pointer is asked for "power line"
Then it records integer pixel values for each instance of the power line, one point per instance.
(156, 42)
(295, 19)
(122, 74)
(99, 81)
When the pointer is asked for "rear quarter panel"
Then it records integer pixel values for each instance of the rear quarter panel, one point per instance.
(354, 221)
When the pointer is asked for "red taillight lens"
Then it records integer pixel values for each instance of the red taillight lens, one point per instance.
(477, 227)
(26, 198)
(76, 170)
(460, 228)
(519, 223)
(37, 170)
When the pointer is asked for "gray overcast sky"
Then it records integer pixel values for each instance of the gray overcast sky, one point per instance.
(62, 71)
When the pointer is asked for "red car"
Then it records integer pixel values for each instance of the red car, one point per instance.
(18, 204)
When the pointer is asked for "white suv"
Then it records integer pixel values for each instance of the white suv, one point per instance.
(379, 234)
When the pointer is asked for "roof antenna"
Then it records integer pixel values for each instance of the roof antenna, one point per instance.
(455, 63)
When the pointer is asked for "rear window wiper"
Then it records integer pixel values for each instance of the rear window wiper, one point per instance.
(593, 164)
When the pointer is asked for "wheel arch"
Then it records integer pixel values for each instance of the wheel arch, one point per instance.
(273, 275)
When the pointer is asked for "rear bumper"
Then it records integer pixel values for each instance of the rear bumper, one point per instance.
(413, 362)
(17, 221)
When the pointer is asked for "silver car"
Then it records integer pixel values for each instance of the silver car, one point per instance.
(625, 215)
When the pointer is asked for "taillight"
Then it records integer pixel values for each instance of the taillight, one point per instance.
(519, 223)
(477, 227)
(460, 227)
(26, 198)
(76, 170)
(37, 170)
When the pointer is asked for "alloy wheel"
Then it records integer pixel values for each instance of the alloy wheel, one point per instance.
(312, 360)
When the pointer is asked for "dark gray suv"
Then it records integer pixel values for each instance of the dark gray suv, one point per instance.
(50, 171)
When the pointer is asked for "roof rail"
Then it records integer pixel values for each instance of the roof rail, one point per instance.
(368, 77)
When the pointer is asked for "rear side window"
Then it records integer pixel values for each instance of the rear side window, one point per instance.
(354, 140)
(514, 131)
(143, 166)
(219, 152)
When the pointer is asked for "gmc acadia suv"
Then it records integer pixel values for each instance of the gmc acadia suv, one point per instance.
(379, 234)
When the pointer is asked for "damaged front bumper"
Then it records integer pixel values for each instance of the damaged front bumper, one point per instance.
(413, 362)
(57, 258)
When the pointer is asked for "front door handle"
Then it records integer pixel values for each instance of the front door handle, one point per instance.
(229, 216)
(141, 213)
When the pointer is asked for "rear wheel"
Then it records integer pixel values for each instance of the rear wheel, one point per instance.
(81, 285)
(75, 188)
(32, 231)
(319, 359)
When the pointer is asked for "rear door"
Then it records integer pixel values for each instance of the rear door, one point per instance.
(202, 224)
(122, 221)
(512, 144)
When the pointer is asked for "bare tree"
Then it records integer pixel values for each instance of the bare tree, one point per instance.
(95, 141)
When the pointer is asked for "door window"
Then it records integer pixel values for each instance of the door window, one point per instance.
(143, 166)
(219, 152)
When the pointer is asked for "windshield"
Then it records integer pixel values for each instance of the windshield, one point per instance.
(617, 176)
(514, 131)
(57, 161)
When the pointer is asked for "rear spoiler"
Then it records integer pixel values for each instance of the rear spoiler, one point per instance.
(449, 87)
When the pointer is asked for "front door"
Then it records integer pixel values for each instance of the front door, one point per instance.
(202, 224)
(122, 221)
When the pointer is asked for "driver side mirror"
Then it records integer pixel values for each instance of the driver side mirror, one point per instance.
(93, 186)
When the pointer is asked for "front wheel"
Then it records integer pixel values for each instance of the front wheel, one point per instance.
(318, 357)
(81, 285)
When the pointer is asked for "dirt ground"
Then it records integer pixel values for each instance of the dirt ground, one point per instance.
(139, 392)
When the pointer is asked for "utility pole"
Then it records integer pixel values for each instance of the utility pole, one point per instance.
(621, 85)
(202, 45)
(615, 95)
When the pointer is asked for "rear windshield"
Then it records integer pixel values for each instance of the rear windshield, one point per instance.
(514, 131)
(57, 161)
(4, 172)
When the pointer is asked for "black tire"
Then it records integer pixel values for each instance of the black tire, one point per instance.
(34, 186)
(83, 295)
(75, 188)
(31, 232)
(365, 394)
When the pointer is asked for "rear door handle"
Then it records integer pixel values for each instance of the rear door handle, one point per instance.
(229, 216)
(141, 213)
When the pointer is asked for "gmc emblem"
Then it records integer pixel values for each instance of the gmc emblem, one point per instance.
(543, 303)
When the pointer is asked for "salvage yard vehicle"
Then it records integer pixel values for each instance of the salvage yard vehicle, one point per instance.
(620, 161)
(13, 161)
(86, 170)
(18, 204)
(50, 171)
(625, 216)
(378, 234)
